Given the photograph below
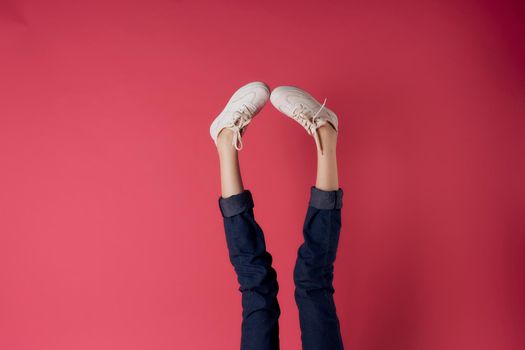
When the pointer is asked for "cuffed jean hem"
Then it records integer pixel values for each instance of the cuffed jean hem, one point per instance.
(236, 204)
(320, 199)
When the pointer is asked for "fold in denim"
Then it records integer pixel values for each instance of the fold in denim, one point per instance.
(236, 204)
(326, 200)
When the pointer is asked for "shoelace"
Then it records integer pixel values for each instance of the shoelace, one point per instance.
(302, 115)
(242, 118)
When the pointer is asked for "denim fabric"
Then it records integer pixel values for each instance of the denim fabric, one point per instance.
(255, 274)
(326, 199)
(313, 272)
(236, 204)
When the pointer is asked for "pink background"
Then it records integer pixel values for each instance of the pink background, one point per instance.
(110, 234)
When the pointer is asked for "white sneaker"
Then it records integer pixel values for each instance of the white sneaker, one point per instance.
(303, 108)
(239, 111)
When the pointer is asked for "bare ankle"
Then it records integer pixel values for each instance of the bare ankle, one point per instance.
(328, 136)
(224, 140)
(327, 130)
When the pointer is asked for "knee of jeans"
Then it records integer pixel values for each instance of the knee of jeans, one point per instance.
(311, 278)
(302, 276)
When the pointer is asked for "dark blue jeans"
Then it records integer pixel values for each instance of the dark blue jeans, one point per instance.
(313, 272)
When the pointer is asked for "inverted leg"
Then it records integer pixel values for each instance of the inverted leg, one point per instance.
(247, 252)
(314, 268)
(255, 274)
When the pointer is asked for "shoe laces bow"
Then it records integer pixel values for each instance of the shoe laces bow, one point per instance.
(311, 122)
(242, 117)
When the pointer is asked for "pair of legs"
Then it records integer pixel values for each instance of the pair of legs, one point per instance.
(231, 180)
(313, 272)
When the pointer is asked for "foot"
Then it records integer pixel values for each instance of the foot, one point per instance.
(303, 108)
(239, 112)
